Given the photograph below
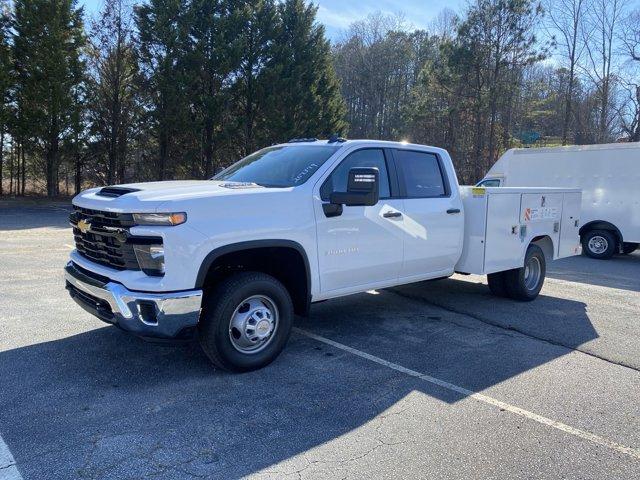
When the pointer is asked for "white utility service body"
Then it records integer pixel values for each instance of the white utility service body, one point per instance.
(608, 175)
(298, 223)
(501, 222)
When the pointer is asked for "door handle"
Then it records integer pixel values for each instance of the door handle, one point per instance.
(391, 214)
(453, 210)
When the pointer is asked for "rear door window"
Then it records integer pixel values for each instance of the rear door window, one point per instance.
(420, 174)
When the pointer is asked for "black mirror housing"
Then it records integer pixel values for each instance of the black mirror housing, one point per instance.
(363, 188)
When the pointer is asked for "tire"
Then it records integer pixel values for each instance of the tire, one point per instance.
(524, 284)
(628, 247)
(497, 284)
(227, 333)
(600, 244)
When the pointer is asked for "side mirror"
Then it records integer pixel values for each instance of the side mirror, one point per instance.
(363, 188)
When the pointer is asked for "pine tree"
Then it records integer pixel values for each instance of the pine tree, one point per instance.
(113, 89)
(308, 100)
(255, 81)
(162, 32)
(48, 40)
(209, 65)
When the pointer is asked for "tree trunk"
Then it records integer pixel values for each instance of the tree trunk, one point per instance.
(78, 174)
(567, 107)
(1, 156)
(51, 159)
(12, 154)
(208, 147)
(24, 171)
(18, 167)
(122, 155)
(164, 147)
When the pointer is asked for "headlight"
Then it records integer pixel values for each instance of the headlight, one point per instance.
(159, 218)
(150, 258)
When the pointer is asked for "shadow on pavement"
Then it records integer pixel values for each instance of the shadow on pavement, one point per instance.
(104, 404)
(14, 216)
(621, 271)
(556, 320)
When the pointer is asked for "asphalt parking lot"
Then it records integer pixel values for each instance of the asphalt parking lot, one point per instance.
(431, 380)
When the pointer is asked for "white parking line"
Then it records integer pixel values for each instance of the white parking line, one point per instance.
(8, 468)
(591, 437)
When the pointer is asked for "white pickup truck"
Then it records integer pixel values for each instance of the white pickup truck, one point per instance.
(232, 259)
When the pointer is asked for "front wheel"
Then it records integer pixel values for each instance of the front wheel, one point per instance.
(246, 321)
(600, 244)
(525, 283)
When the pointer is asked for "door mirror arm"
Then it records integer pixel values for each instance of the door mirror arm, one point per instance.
(332, 209)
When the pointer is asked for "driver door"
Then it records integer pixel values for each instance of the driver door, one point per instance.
(363, 245)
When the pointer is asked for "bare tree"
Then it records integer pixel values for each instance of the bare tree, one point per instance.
(600, 32)
(378, 62)
(564, 19)
(629, 111)
(631, 35)
(445, 24)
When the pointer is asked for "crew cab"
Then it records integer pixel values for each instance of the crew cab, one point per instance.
(232, 259)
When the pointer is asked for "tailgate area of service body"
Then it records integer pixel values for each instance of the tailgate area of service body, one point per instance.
(501, 222)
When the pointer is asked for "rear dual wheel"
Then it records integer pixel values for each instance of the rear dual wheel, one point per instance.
(523, 283)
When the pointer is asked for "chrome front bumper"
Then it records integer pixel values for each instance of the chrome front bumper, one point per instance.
(153, 315)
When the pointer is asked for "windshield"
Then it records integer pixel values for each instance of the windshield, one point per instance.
(286, 166)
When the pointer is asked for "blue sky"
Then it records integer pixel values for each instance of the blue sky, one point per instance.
(337, 15)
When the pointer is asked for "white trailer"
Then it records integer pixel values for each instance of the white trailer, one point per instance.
(608, 175)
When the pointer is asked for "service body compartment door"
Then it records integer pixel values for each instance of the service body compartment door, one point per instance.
(570, 225)
(474, 200)
(541, 214)
(503, 246)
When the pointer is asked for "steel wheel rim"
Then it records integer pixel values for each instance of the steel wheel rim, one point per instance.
(532, 273)
(598, 244)
(253, 324)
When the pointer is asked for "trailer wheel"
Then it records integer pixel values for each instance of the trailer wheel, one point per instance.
(600, 244)
(628, 247)
(525, 283)
(246, 321)
(497, 284)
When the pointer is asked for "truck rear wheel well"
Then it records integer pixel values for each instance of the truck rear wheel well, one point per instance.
(546, 245)
(287, 263)
(601, 225)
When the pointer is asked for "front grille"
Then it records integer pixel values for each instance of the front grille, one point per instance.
(106, 239)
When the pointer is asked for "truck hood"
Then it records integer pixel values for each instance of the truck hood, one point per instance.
(150, 196)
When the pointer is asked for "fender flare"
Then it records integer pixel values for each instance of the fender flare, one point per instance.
(601, 225)
(248, 245)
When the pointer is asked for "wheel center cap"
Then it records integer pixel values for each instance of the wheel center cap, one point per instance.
(263, 328)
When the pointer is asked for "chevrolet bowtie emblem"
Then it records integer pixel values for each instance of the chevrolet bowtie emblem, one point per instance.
(84, 226)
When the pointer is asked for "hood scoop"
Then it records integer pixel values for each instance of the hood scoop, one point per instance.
(113, 192)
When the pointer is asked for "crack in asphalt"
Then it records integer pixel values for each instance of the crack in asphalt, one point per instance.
(490, 322)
